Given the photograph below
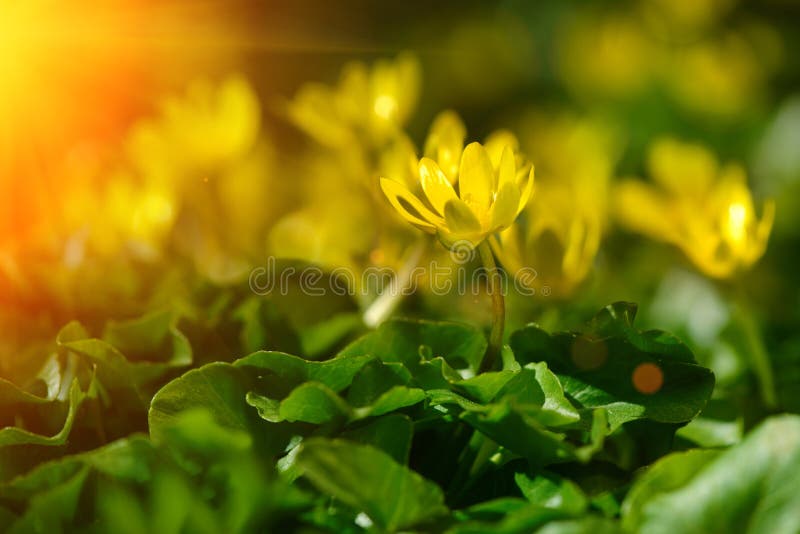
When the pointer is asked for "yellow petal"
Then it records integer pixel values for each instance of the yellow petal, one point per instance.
(767, 219)
(682, 168)
(506, 168)
(397, 194)
(505, 207)
(435, 184)
(571, 262)
(476, 177)
(762, 231)
(526, 188)
(640, 208)
(460, 218)
(506, 247)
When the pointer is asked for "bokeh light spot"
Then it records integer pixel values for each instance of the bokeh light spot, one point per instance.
(648, 378)
(589, 353)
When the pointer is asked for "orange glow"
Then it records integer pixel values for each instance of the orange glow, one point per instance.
(69, 83)
(73, 78)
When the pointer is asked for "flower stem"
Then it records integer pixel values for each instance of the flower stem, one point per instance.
(383, 306)
(498, 308)
(754, 346)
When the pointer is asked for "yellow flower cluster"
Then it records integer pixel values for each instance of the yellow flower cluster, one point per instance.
(468, 193)
(200, 162)
(681, 48)
(198, 178)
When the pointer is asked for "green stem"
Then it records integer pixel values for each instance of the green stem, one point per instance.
(759, 358)
(498, 308)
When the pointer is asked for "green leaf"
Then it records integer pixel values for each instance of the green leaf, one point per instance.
(218, 387)
(265, 326)
(151, 337)
(375, 379)
(280, 373)
(22, 448)
(668, 474)
(268, 409)
(597, 369)
(49, 510)
(12, 435)
(585, 525)
(484, 387)
(751, 487)
(318, 339)
(125, 459)
(408, 341)
(552, 491)
(315, 403)
(157, 348)
(520, 433)
(535, 385)
(556, 405)
(391, 433)
(394, 399)
(11, 394)
(506, 515)
(370, 481)
(708, 432)
(443, 397)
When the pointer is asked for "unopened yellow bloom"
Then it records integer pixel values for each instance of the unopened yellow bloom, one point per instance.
(491, 187)
(445, 143)
(704, 209)
(559, 233)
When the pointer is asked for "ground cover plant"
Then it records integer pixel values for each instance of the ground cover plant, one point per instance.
(514, 267)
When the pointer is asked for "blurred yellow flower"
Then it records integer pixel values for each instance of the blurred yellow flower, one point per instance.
(494, 185)
(445, 143)
(704, 209)
(683, 19)
(723, 76)
(198, 132)
(559, 233)
(605, 55)
(198, 163)
(367, 103)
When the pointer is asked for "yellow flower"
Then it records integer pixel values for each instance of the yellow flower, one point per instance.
(343, 221)
(209, 127)
(605, 54)
(704, 209)
(494, 185)
(444, 145)
(366, 103)
(724, 76)
(559, 233)
(200, 161)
